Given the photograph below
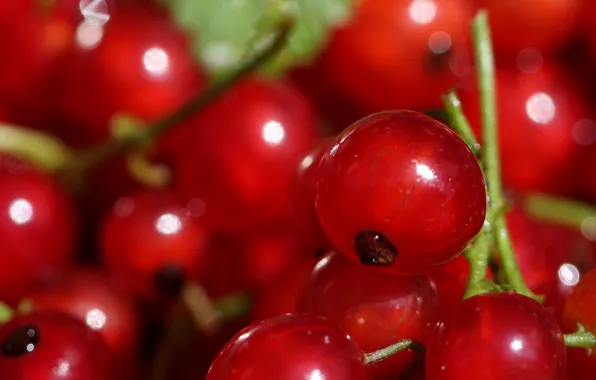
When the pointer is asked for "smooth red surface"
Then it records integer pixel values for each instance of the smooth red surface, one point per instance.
(520, 24)
(408, 177)
(497, 336)
(450, 281)
(550, 257)
(289, 347)
(147, 231)
(543, 123)
(141, 66)
(375, 310)
(283, 292)
(37, 228)
(580, 307)
(67, 349)
(268, 254)
(91, 297)
(38, 37)
(304, 191)
(383, 59)
(241, 154)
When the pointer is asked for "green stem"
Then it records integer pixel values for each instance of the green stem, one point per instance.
(104, 151)
(384, 353)
(40, 149)
(459, 122)
(486, 82)
(478, 255)
(573, 214)
(580, 338)
(232, 306)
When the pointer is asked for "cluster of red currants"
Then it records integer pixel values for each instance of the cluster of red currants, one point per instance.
(142, 265)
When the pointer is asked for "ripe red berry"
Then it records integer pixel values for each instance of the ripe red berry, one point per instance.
(289, 347)
(37, 225)
(92, 298)
(497, 336)
(580, 308)
(539, 105)
(374, 309)
(400, 192)
(306, 220)
(50, 345)
(519, 24)
(152, 243)
(241, 154)
(123, 66)
(415, 51)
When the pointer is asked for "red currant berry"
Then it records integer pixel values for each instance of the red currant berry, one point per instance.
(123, 66)
(395, 71)
(306, 220)
(374, 309)
(50, 345)
(497, 336)
(37, 225)
(400, 192)
(283, 292)
(580, 308)
(267, 255)
(224, 270)
(551, 258)
(152, 243)
(289, 347)
(93, 299)
(243, 169)
(519, 24)
(540, 105)
(38, 37)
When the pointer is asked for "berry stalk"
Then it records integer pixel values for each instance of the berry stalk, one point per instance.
(486, 82)
(569, 213)
(459, 122)
(580, 338)
(95, 155)
(386, 352)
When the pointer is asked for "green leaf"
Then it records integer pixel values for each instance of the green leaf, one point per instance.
(225, 32)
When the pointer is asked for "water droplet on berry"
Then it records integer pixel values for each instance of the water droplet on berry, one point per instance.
(374, 248)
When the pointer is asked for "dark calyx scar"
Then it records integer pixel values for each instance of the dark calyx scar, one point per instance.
(373, 248)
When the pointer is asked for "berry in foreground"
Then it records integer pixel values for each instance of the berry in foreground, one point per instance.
(400, 192)
(374, 309)
(290, 347)
(497, 336)
(48, 345)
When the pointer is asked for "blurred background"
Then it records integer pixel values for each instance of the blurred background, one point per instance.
(225, 199)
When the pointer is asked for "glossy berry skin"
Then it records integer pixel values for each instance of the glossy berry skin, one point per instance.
(48, 345)
(580, 308)
(152, 243)
(375, 310)
(542, 106)
(37, 225)
(395, 72)
(92, 298)
(305, 217)
(497, 336)
(521, 24)
(289, 347)
(241, 154)
(124, 67)
(400, 192)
